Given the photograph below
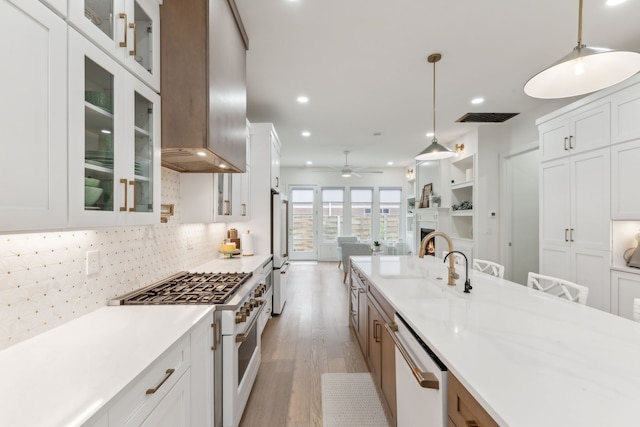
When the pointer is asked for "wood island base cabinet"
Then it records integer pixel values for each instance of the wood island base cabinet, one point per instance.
(463, 409)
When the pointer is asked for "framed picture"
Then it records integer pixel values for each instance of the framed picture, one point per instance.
(426, 191)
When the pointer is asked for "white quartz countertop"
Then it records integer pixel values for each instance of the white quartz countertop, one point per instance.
(529, 358)
(64, 376)
(237, 264)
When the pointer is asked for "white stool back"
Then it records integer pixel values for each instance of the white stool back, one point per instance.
(558, 287)
(488, 267)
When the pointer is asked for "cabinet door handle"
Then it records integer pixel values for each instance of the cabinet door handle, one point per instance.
(168, 373)
(378, 336)
(227, 207)
(425, 379)
(244, 209)
(565, 143)
(472, 423)
(277, 182)
(566, 230)
(135, 202)
(124, 16)
(571, 147)
(375, 330)
(135, 47)
(571, 235)
(214, 326)
(126, 195)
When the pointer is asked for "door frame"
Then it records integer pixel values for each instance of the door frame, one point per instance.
(505, 206)
(304, 256)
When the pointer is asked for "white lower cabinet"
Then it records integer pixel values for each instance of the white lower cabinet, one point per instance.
(176, 390)
(33, 84)
(625, 287)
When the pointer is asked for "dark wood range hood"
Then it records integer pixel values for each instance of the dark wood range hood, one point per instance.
(203, 86)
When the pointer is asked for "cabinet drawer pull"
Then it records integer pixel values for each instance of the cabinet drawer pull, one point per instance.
(126, 195)
(168, 374)
(135, 202)
(124, 16)
(135, 47)
(425, 379)
(472, 423)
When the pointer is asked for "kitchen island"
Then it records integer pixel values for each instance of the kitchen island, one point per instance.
(528, 358)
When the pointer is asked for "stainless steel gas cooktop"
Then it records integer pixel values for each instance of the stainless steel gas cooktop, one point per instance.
(187, 288)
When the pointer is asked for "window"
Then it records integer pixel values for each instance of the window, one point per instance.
(302, 220)
(390, 210)
(361, 220)
(332, 213)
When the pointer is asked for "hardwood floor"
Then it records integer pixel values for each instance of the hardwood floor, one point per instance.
(310, 337)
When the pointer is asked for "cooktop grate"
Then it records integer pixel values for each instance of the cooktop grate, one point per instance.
(189, 288)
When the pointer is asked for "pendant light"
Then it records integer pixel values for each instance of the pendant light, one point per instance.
(435, 151)
(584, 70)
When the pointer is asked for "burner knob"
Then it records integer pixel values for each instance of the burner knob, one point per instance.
(240, 318)
(254, 303)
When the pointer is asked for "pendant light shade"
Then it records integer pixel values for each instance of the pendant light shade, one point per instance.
(584, 70)
(435, 151)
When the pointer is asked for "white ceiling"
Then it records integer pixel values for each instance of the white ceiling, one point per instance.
(362, 63)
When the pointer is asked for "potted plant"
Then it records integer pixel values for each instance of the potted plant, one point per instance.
(436, 201)
(376, 246)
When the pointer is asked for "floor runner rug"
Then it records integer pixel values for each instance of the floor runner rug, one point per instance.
(351, 400)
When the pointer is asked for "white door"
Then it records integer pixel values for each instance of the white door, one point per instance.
(522, 215)
(302, 234)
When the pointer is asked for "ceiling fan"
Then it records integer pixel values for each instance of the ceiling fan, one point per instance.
(347, 170)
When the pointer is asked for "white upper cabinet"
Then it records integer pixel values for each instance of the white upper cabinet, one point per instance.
(275, 161)
(129, 30)
(625, 114)
(60, 6)
(578, 131)
(33, 84)
(625, 196)
(114, 141)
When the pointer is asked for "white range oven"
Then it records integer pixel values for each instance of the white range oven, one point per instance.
(240, 300)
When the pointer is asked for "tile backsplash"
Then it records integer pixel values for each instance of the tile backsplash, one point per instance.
(42, 275)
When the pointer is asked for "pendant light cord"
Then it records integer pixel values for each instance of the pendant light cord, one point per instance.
(434, 100)
(580, 25)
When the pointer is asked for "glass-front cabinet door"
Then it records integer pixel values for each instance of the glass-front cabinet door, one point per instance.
(129, 30)
(114, 144)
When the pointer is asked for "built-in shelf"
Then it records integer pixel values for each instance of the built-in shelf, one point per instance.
(465, 212)
(461, 185)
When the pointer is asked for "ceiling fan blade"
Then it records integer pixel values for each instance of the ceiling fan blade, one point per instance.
(361, 171)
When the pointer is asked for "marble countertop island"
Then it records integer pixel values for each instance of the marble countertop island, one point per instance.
(529, 358)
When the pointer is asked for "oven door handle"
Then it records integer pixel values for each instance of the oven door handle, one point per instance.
(243, 337)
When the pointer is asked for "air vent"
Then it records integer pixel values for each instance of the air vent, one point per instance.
(486, 117)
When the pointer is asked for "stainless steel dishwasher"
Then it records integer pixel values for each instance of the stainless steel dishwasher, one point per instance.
(421, 380)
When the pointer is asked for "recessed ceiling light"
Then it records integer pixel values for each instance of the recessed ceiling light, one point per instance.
(478, 100)
(201, 153)
(614, 2)
(389, 163)
(302, 99)
(429, 134)
(309, 162)
(107, 131)
(306, 133)
(223, 166)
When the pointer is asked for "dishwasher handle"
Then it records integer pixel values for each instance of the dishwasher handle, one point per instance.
(425, 379)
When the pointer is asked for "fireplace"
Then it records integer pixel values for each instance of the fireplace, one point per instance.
(431, 244)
